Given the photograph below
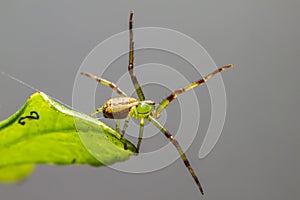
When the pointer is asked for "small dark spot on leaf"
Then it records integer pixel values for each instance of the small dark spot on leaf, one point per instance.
(74, 160)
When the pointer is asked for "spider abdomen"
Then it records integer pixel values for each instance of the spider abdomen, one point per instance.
(118, 108)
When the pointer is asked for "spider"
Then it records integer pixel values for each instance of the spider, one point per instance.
(125, 107)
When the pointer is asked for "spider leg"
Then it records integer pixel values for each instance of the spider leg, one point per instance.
(118, 125)
(142, 122)
(98, 110)
(107, 83)
(174, 95)
(134, 80)
(125, 124)
(180, 151)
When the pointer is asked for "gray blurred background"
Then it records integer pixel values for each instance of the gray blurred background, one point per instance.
(44, 42)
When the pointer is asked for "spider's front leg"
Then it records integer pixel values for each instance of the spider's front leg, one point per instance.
(171, 97)
(134, 80)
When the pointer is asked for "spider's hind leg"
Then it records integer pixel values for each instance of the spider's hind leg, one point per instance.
(179, 149)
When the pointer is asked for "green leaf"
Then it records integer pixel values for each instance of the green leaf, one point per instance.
(14, 173)
(45, 132)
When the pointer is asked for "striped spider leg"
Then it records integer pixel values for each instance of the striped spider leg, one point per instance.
(134, 80)
(171, 97)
